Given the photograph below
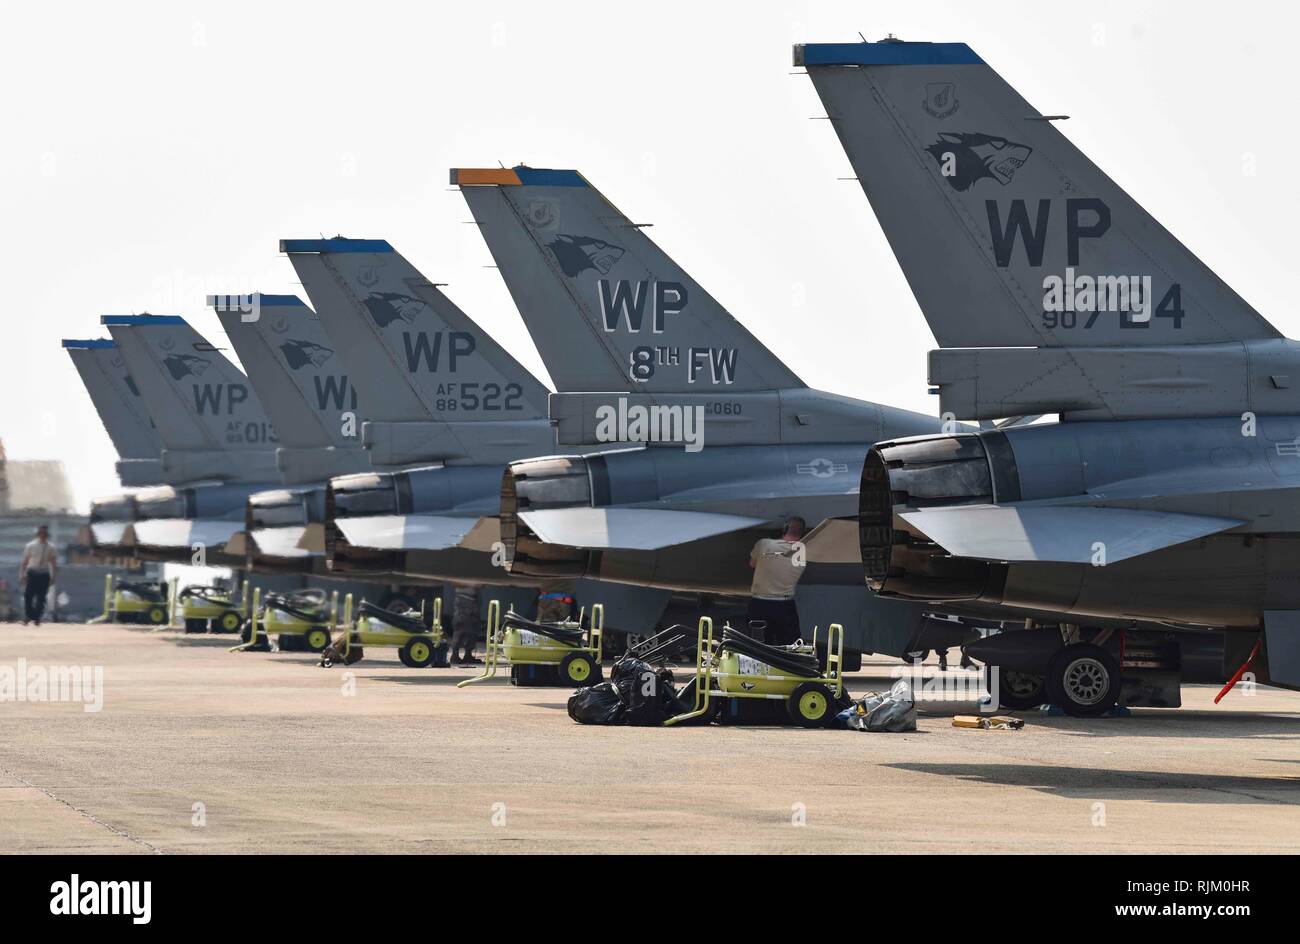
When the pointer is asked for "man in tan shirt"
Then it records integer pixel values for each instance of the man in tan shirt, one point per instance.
(778, 564)
(36, 572)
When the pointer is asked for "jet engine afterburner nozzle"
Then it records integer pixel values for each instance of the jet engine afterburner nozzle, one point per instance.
(929, 472)
(548, 484)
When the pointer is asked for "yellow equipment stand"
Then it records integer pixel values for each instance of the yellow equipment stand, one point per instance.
(127, 606)
(316, 633)
(108, 603)
(513, 645)
(415, 650)
(213, 608)
(810, 701)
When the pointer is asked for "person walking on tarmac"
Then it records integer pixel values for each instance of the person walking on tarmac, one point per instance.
(466, 624)
(778, 564)
(39, 564)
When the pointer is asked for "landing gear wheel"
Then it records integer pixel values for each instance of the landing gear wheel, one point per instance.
(1083, 680)
(919, 655)
(316, 639)
(1017, 691)
(416, 654)
(196, 625)
(811, 705)
(228, 623)
(157, 615)
(580, 669)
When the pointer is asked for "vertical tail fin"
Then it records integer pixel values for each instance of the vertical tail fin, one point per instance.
(1008, 234)
(413, 354)
(207, 414)
(116, 397)
(301, 380)
(117, 401)
(607, 308)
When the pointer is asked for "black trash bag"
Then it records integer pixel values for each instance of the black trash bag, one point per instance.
(647, 692)
(598, 704)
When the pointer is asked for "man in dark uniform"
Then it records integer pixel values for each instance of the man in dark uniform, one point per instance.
(466, 624)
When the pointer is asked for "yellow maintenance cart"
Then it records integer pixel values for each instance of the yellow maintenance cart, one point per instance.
(213, 609)
(309, 615)
(140, 601)
(543, 653)
(739, 667)
(418, 645)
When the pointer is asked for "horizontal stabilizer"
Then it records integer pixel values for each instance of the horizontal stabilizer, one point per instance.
(108, 533)
(632, 529)
(280, 542)
(210, 533)
(406, 532)
(485, 536)
(834, 541)
(1053, 533)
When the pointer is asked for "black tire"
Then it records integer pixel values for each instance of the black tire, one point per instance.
(919, 655)
(229, 622)
(417, 653)
(196, 626)
(246, 631)
(316, 639)
(1083, 680)
(157, 616)
(1017, 691)
(579, 669)
(811, 705)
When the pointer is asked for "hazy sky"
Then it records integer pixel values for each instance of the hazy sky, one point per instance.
(154, 153)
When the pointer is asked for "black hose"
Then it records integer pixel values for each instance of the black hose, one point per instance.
(410, 624)
(155, 592)
(573, 636)
(214, 595)
(805, 666)
(305, 605)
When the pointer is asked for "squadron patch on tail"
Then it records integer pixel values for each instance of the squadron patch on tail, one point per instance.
(965, 157)
(577, 254)
(940, 99)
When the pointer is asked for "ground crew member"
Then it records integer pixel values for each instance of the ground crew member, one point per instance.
(466, 624)
(778, 564)
(40, 561)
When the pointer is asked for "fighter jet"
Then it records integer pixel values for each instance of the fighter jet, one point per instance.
(117, 400)
(1167, 490)
(218, 443)
(689, 438)
(446, 407)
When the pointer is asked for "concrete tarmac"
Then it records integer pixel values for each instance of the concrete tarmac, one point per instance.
(196, 749)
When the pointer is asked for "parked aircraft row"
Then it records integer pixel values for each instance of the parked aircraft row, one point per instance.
(1149, 534)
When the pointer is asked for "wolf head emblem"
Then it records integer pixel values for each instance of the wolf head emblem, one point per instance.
(577, 254)
(299, 354)
(387, 307)
(975, 156)
(185, 365)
